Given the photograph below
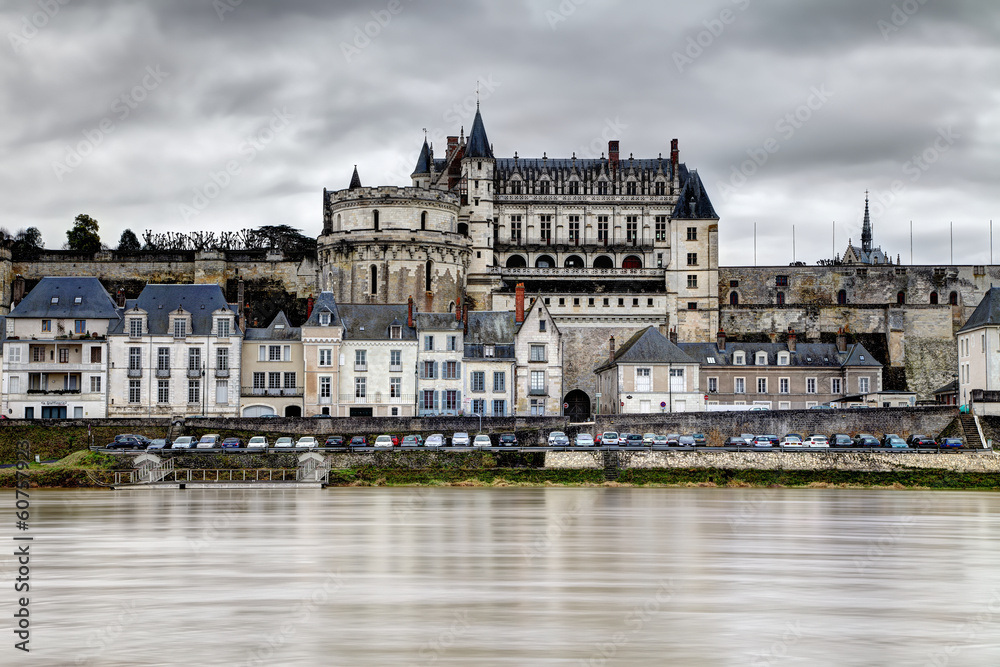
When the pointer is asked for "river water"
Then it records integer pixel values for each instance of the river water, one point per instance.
(512, 576)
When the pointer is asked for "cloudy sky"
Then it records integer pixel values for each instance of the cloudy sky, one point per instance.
(202, 115)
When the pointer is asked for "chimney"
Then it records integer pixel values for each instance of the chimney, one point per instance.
(18, 289)
(674, 155)
(458, 310)
(239, 300)
(673, 336)
(452, 147)
(611, 347)
(841, 340)
(409, 312)
(309, 306)
(121, 296)
(613, 154)
(792, 340)
(720, 340)
(663, 330)
(519, 303)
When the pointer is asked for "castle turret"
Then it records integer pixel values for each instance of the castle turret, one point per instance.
(421, 175)
(477, 217)
(866, 230)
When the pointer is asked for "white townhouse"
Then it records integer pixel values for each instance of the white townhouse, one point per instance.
(175, 352)
(490, 362)
(439, 363)
(55, 352)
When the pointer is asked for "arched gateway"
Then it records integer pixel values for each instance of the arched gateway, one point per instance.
(579, 406)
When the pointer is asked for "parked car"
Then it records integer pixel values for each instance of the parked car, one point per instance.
(699, 439)
(764, 440)
(791, 440)
(748, 438)
(841, 440)
(736, 441)
(334, 441)
(816, 440)
(257, 442)
(383, 441)
(893, 440)
(306, 442)
(482, 440)
(633, 440)
(508, 440)
(184, 442)
(232, 443)
(158, 443)
(359, 441)
(647, 439)
(951, 443)
(660, 441)
(320, 416)
(460, 439)
(411, 441)
(686, 441)
(134, 436)
(920, 441)
(866, 440)
(209, 441)
(609, 439)
(436, 440)
(673, 439)
(284, 442)
(558, 439)
(584, 440)
(126, 443)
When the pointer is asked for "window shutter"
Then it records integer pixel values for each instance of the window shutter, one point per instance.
(434, 371)
(435, 400)
(287, 353)
(458, 400)
(423, 375)
(458, 369)
(261, 353)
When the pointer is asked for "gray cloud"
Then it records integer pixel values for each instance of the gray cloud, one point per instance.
(558, 70)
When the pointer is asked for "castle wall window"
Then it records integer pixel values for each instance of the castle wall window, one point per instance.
(375, 219)
(515, 229)
(734, 299)
(631, 228)
(423, 220)
(603, 262)
(545, 225)
(602, 187)
(373, 281)
(953, 298)
(900, 298)
(632, 262)
(660, 188)
(842, 298)
(780, 299)
(692, 281)
(574, 187)
(630, 188)
(692, 259)
(692, 233)
(515, 187)
(574, 229)
(661, 228)
(543, 188)
(781, 281)
(934, 298)
(427, 275)
(602, 229)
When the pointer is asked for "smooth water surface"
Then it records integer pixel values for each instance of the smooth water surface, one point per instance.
(512, 576)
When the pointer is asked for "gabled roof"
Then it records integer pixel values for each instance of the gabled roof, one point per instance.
(478, 144)
(278, 329)
(543, 309)
(648, 346)
(372, 321)
(423, 160)
(987, 313)
(692, 201)
(324, 303)
(95, 303)
(159, 301)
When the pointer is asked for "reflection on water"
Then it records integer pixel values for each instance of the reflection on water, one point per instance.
(551, 576)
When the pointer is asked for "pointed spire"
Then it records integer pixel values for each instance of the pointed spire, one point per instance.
(424, 160)
(355, 180)
(866, 229)
(479, 145)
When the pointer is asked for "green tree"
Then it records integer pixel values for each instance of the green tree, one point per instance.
(28, 242)
(84, 236)
(128, 242)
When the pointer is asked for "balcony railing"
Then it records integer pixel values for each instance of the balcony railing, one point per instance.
(378, 398)
(194, 372)
(536, 391)
(273, 391)
(221, 372)
(162, 372)
(360, 367)
(396, 368)
(135, 372)
(54, 391)
(565, 272)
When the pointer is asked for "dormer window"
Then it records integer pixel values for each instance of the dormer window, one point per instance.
(135, 327)
(783, 358)
(279, 326)
(78, 300)
(55, 299)
(761, 359)
(488, 350)
(324, 319)
(222, 328)
(739, 359)
(395, 332)
(180, 328)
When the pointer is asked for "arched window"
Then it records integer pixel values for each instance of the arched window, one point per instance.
(337, 229)
(375, 219)
(544, 262)
(934, 298)
(463, 228)
(734, 299)
(573, 262)
(842, 298)
(373, 281)
(604, 262)
(781, 299)
(632, 262)
(427, 276)
(423, 220)
(953, 298)
(516, 262)
(900, 298)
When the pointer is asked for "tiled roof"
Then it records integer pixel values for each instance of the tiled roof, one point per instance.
(987, 313)
(278, 329)
(94, 301)
(436, 321)
(160, 300)
(423, 160)
(692, 201)
(323, 303)
(648, 346)
(813, 355)
(373, 321)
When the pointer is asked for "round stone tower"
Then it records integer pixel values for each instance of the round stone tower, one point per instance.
(386, 244)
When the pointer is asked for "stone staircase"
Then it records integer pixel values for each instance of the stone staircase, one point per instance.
(971, 430)
(611, 470)
(176, 428)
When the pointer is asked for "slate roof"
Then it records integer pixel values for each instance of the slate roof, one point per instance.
(494, 327)
(423, 160)
(436, 321)
(95, 303)
(273, 331)
(648, 346)
(478, 145)
(950, 388)
(532, 168)
(324, 302)
(355, 180)
(160, 300)
(813, 355)
(692, 201)
(372, 321)
(987, 313)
